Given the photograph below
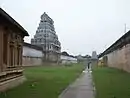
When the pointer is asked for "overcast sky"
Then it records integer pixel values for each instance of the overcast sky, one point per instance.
(82, 25)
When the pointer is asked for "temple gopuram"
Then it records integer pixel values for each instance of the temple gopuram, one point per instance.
(47, 38)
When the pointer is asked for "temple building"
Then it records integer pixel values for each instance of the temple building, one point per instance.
(47, 38)
(11, 46)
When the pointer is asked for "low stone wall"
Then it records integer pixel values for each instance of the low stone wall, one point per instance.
(31, 61)
(67, 59)
(11, 83)
(54, 57)
(119, 58)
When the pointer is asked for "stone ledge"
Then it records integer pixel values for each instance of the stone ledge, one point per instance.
(11, 83)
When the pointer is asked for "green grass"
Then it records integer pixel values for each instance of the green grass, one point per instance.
(111, 83)
(44, 82)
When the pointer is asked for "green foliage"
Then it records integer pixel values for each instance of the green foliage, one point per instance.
(111, 83)
(44, 82)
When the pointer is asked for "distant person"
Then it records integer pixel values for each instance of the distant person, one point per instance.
(88, 66)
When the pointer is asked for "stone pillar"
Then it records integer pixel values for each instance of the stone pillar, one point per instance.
(1, 49)
(21, 50)
(8, 53)
(15, 54)
(5, 49)
(20, 55)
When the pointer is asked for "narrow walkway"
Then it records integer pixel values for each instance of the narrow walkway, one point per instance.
(81, 88)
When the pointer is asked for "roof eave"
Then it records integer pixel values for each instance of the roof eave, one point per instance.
(10, 19)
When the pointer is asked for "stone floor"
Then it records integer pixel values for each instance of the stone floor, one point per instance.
(81, 88)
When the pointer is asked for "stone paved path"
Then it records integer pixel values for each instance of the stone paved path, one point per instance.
(81, 88)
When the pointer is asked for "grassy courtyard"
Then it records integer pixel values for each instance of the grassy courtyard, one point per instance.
(44, 82)
(111, 83)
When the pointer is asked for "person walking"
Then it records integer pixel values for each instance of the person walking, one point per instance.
(88, 66)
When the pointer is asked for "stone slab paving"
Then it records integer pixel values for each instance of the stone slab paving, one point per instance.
(81, 88)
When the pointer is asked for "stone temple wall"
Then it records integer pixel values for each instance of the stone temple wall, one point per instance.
(54, 57)
(32, 61)
(67, 59)
(119, 58)
(32, 57)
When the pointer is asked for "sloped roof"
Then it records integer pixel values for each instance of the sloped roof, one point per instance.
(32, 46)
(65, 53)
(125, 39)
(13, 22)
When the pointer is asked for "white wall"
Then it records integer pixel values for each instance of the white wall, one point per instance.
(120, 58)
(32, 57)
(27, 51)
(67, 59)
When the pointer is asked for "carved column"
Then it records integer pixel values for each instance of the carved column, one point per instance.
(15, 54)
(13, 44)
(20, 55)
(12, 57)
(1, 49)
(5, 47)
(8, 54)
(21, 50)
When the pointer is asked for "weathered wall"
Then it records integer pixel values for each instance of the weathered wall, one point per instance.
(4, 86)
(32, 56)
(120, 58)
(30, 61)
(67, 59)
(27, 51)
(54, 57)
